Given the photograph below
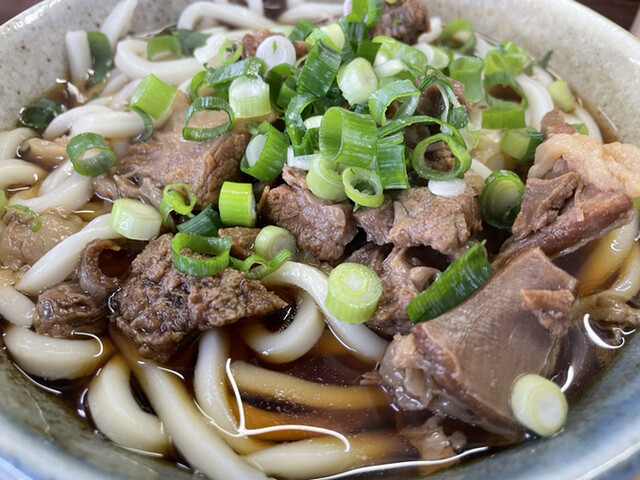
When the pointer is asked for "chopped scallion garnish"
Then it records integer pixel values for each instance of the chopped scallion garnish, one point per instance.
(135, 220)
(266, 154)
(163, 46)
(538, 404)
(363, 187)
(272, 240)
(249, 97)
(561, 95)
(402, 93)
(218, 248)
(357, 81)
(153, 96)
(353, 293)
(458, 35)
(101, 55)
(204, 134)
(39, 114)
(23, 210)
(501, 198)
(347, 137)
(206, 223)
(237, 204)
(325, 180)
(90, 154)
(462, 161)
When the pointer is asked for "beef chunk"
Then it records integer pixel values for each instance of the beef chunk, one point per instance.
(463, 363)
(404, 20)
(371, 256)
(92, 279)
(443, 223)
(161, 309)
(404, 276)
(168, 158)
(112, 187)
(322, 228)
(294, 177)
(66, 309)
(46, 153)
(20, 246)
(243, 238)
(553, 123)
(376, 222)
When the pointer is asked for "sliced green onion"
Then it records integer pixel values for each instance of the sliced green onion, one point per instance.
(369, 11)
(353, 292)
(80, 149)
(538, 404)
(24, 210)
(158, 47)
(391, 166)
(334, 32)
(363, 187)
(368, 50)
(506, 57)
(325, 180)
(581, 128)
(281, 79)
(272, 240)
(237, 204)
(390, 49)
(468, 71)
(501, 198)
(4, 201)
(206, 223)
(347, 137)
(101, 56)
(175, 198)
(266, 154)
(204, 134)
(295, 124)
(148, 125)
(320, 69)
(454, 112)
(264, 267)
(461, 164)
(153, 96)
(39, 114)
(505, 83)
(190, 40)
(135, 220)
(561, 95)
(437, 57)
(197, 82)
(399, 124)
(521, 143)
(302, 30)
(401, 93)
(458, 35)
(231, 52)
(357, 81)
(503, 116)
(458, 282)
(249, 67)
(249, 97)
(219, 248)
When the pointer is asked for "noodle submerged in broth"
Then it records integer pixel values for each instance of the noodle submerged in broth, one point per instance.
(354, 240)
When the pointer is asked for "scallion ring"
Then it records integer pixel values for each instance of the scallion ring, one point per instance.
(153, 96)
(461, 164)
(204, 134)
(206, 223)
(402, 93)
(391, 166)
(363, 187)
(266, 154)
(320, 69)
(249, 67)
(231, 51)
(80, 149)
(101, 56)
(135, 220)
(162, 46)
(357, 81)
(272, 240)
(325, 180)
(501, 198)
(256, 267)
(506, 115)
(218, 247)
(353, 293)
(347, 137)
(148, 125)
(237, 204)
(459, 35)
(468, 71)
(501, 84)
(25, 211)
(249, 97)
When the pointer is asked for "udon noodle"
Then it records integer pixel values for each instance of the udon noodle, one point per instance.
(298, 393)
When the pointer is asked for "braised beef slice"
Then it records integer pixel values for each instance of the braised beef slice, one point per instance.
(112, 187)
(376, 222)
(161, 309)
(322, 228)
(443, 223)
(463, 363)
(46, 153)
(404, 276)
(243, 238)
(294, 177)
(66, 309)
(551, 307)
(553, 122)
(20, 246)
(370, 255)
(168, 158)
(404, 20)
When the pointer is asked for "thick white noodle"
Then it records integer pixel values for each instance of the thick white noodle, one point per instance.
(121, 99)
(209, 52)
(61, 260)
(71, 194)
(298, 338)
(16, 307)
(364, 343)
(256, 6)
(482, 48)
(11, 140)
(110, 124)
(55, 178)
(539, 100)
(586, 118)
(19, 172)
(79, 55)
(226, 13)
(542, 76)
(118, 22)
(480, 168)
(115, 84)
(211, 392)
(61, 124)
(189, 429)
(118, 415)
(434, 31)
(56, 358)
(131, 60)
(314, 11)
(627, 284)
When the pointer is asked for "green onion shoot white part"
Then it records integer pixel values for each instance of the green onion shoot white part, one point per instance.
(335, 34)
(313, 122)
(325, 180)
(389, 68)
(448, 188)
(249, 97)
(353, 292)
(135, 220)
(538, 404)
(272, 240)
(357, 81)
(276, 50)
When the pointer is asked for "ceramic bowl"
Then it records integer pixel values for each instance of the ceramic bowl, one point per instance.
(42, 438)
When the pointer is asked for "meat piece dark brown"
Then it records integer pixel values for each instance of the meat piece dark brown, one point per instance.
(91, 278)
(553, 123)
(370, 255)
(442, 223)
(431, 102)
(322, 228)
(404, 275)
(65, 310)
(243, 238)
(294, 177)
(404, 20)
(376, 222)
(112, 187)
(433, 444)
(20, 246)
(463, 363)
(161, 309)
(168, 158)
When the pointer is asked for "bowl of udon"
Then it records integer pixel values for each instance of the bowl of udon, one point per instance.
(306, 240)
